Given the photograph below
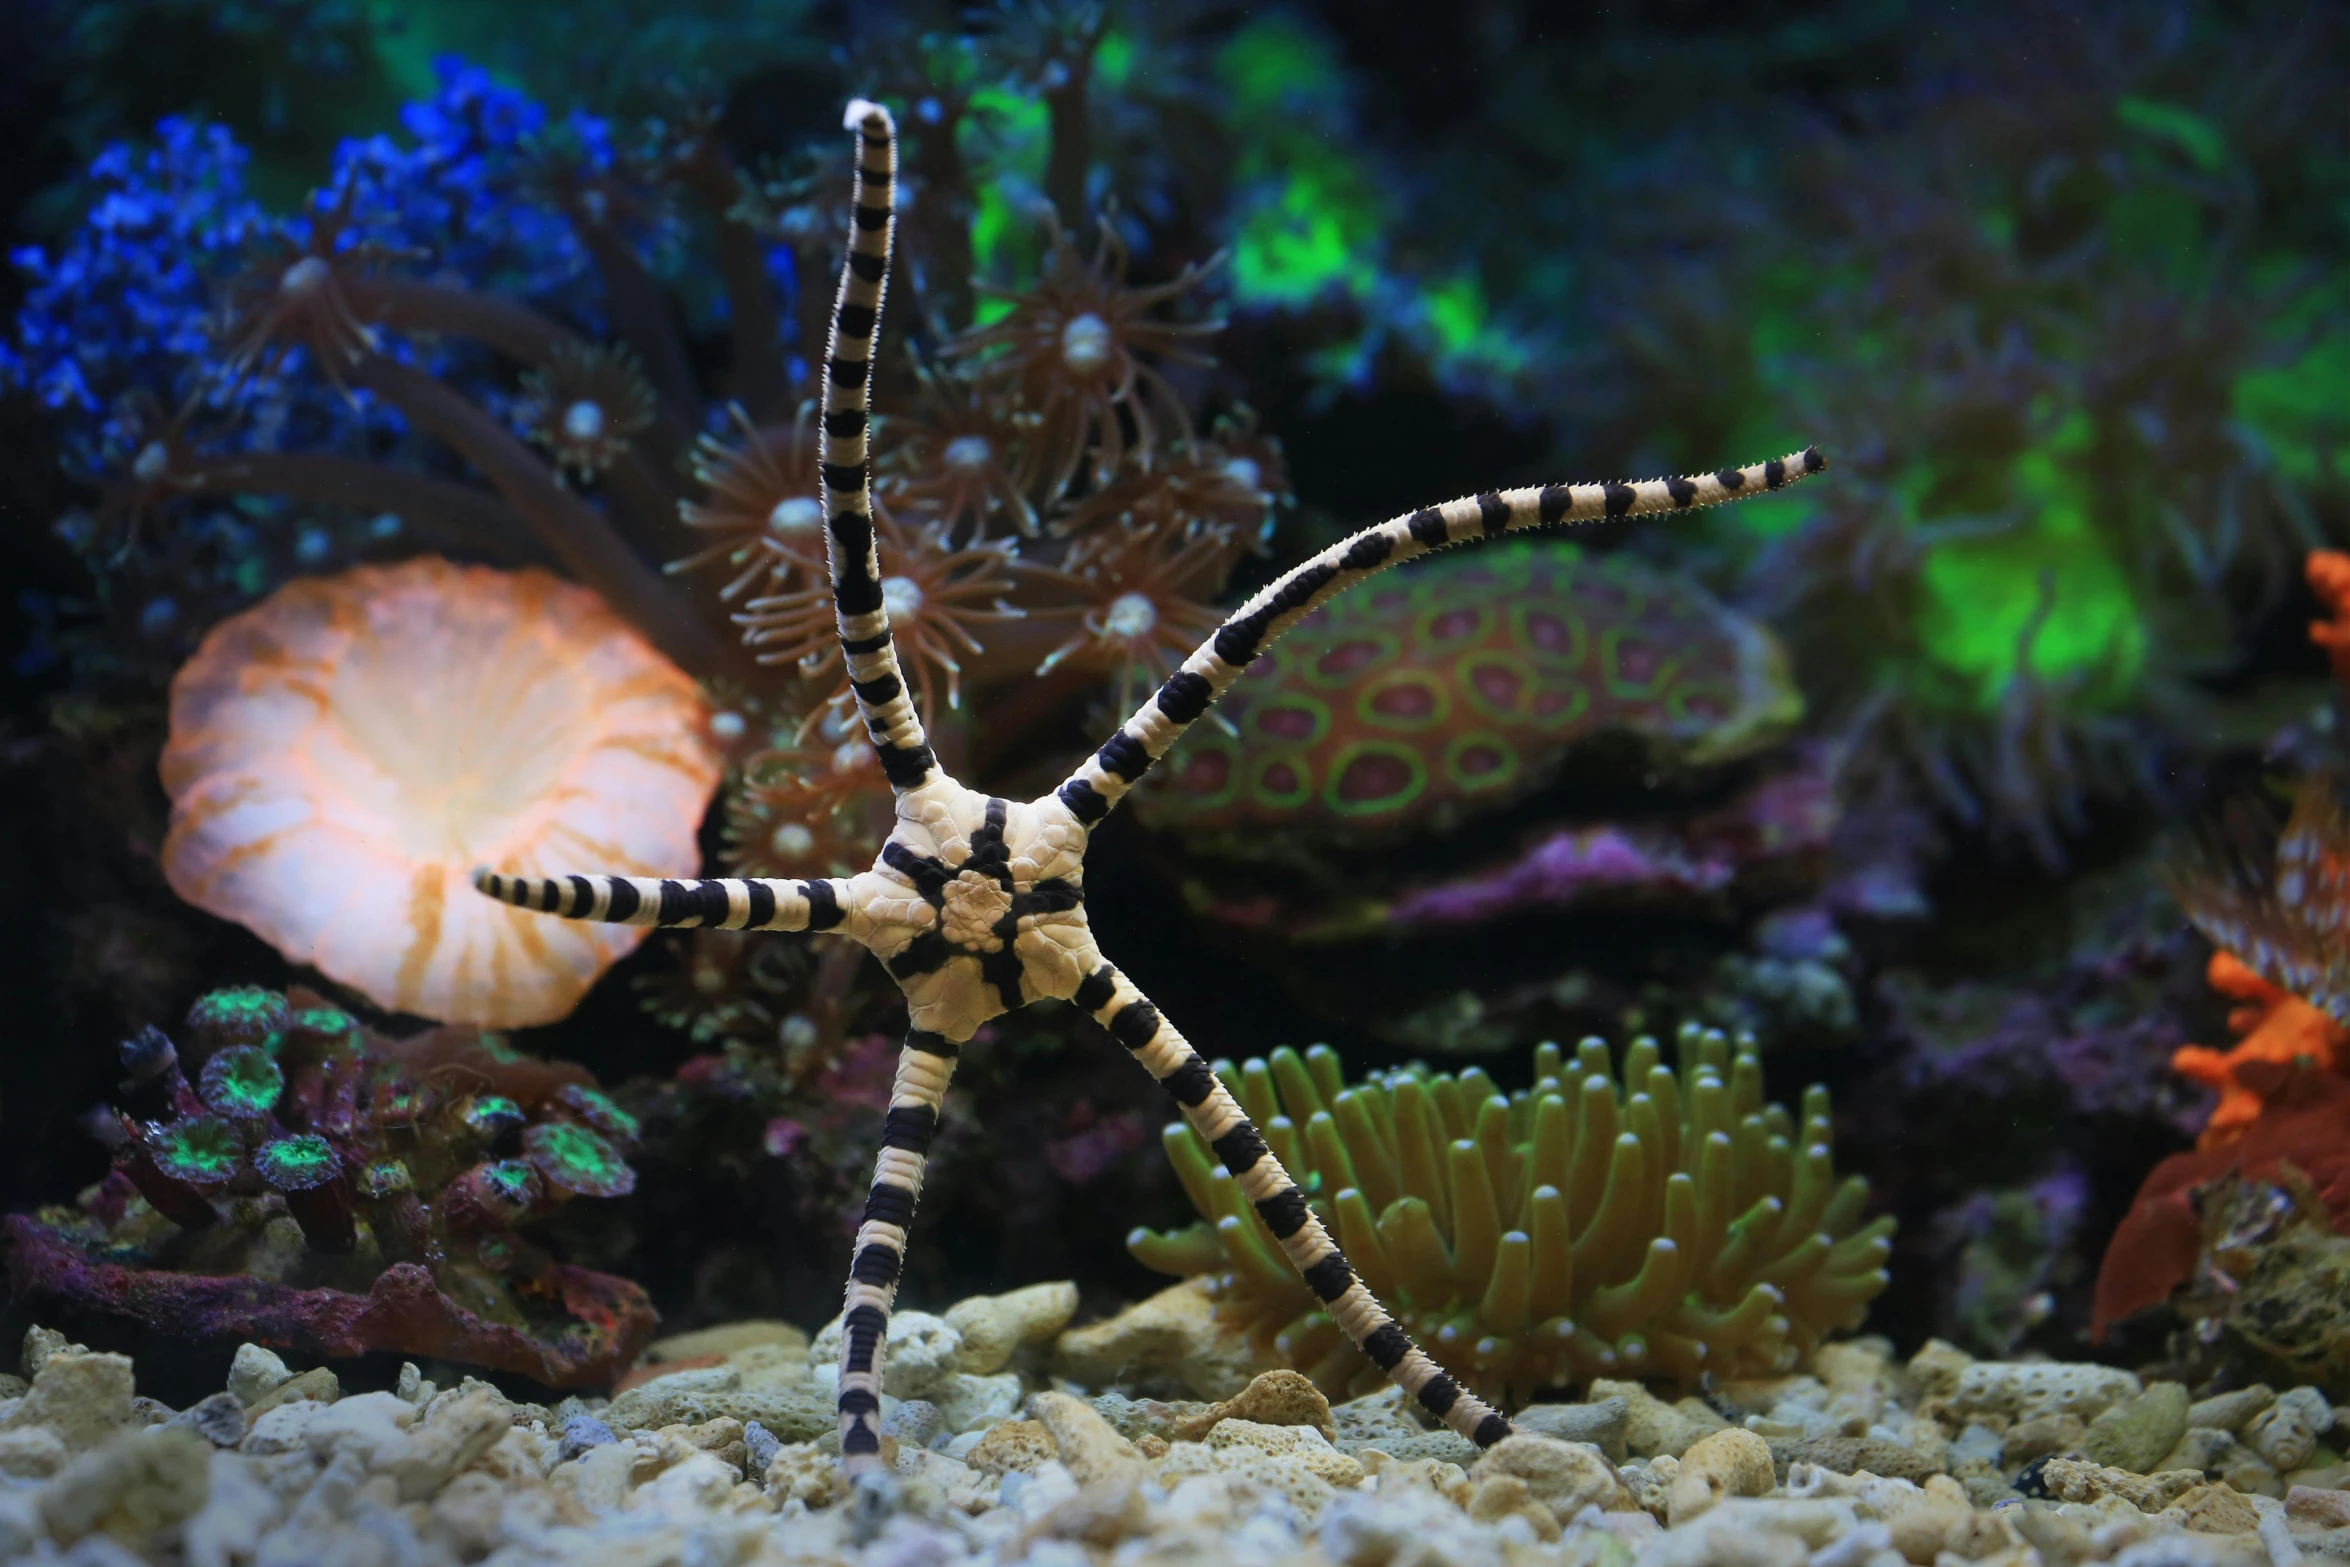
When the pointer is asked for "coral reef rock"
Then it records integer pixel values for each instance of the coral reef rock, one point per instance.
(323, 1188)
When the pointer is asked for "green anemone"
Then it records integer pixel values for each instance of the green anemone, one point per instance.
(1660, 1222)
(577, 1160)
(241, 1082)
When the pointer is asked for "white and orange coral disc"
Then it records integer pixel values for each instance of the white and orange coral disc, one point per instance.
(345, 752)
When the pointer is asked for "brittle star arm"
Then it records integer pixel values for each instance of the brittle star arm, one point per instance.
(844, 462)
(1102, 779)
(916, 1099)
(673, 903)
(1134, 1022)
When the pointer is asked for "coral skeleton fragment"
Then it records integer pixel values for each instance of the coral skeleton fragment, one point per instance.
(976, 904)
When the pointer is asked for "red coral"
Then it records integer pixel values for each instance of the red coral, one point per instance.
(2279, 1033)
(2329, 579)
(2154, 1250)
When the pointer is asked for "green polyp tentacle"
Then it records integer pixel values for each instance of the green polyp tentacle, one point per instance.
(1549, 1164)
(1281, 1136)
(1416, 1127)
(1256, 1093)
(1476, 1217)
(1594, 1144)
(1330, 1160)
(1731, 1328)
(1508, 1297)
(1260, 1270)
(1492, 1140)
(1186, 1253)
(1477, 1238)
(1371, 1155)
(1743, 1254)
(1329, 1072)
(1422, 1261)
(1612, 1235)
(1358, 1237)
(1300, 1095)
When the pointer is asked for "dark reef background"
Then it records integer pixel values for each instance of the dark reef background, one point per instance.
(2062, 291)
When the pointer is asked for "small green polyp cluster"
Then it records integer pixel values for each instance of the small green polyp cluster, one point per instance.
(576, 1160)
(490, 1116)
(1546, 1237)
(297, 1164)
(241, 1082)
(203, 1150)
(595, 1108)
(240, 1015)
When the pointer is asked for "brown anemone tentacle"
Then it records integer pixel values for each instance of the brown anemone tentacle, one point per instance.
(1099, 782)
(453, 513)
(754, 325)
(408, 304)
(575, 532)
(640, 315)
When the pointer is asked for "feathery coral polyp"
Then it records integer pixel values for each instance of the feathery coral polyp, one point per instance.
(343, 754)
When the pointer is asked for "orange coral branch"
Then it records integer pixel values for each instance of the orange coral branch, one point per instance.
(2329, 579)
(2279, 1032)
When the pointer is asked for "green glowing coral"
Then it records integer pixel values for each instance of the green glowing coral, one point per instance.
(594, 1108)
(203, 1150)
(1549, 1236)
(240, 1015)
(241, 1082)
(297, 1164)
(576, 1160)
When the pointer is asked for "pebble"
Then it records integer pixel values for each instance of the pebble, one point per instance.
(1836, 1465)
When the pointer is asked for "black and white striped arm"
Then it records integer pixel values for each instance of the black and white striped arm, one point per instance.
(729, 903)
(1102, 779)
(1118, 1006)
(916, 1099)
(844, 462)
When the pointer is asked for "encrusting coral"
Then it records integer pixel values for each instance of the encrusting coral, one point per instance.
(390, 727)
(976, 905)
(1430, 698)
(301, 1180)
(1656, 1223)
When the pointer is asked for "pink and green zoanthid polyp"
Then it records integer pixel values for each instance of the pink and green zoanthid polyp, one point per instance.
(1431, 696)
(1657, 1223)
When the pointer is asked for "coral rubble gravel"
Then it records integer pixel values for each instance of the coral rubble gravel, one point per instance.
(718, 1451)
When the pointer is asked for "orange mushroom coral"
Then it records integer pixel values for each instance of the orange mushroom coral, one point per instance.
(2279, 1033)
(344, 753)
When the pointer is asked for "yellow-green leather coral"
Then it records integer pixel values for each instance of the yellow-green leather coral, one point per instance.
(1669, 1224)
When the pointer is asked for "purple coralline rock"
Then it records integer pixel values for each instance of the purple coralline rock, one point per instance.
(1772, 837)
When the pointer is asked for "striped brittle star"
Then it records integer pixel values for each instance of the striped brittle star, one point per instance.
(976, 905)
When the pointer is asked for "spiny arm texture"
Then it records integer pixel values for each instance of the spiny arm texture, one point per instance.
(976, 905)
